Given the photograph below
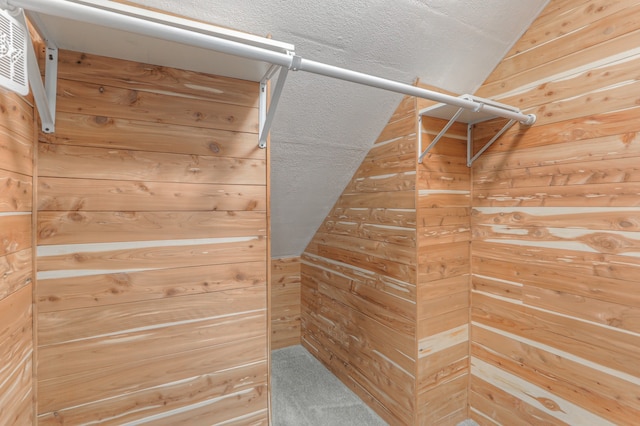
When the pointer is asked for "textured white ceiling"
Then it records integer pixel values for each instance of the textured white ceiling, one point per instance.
(324, 127)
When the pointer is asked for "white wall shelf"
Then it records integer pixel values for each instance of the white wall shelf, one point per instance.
(470, 117)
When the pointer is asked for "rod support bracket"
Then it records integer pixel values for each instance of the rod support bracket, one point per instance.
(268, 106)
(296, 61)
(45, 93)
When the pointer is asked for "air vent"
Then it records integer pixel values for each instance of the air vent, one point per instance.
(13, 54)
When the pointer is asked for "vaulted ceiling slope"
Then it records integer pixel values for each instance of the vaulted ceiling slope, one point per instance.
(325, 127)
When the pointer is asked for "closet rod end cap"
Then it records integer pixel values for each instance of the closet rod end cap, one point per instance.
(530, 120)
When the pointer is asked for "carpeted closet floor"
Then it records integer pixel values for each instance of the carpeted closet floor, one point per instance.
(305, 393)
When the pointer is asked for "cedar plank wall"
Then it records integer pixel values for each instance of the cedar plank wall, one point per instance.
(152, 255)
(285, 302)
(359, 277)
(444, 234)
(16, 260)
(556, 241)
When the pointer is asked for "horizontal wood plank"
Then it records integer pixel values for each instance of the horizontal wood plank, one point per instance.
(613, 219)
(441, 367)
(104, 352)
(124, 133)
(579, 58)
(404, 253)
(16, 116)
(504, 408)
(82, 388)
(396, 148)
(103, 100)
(85, 323)
(15, 233)
(594, 195)
(596, 343)
(100, 195)
(370, 262)
(143, 404)
(61, 294)
(16, 348)
(443, 261)
(16, 152)
(119, 164)
(404, 218)
(386, 165)
(595, 31)
(156, 79)
(603, 394)
(78, 227)
(16, 194)
(15, 271)
(403, 126)
(556, 20)
(157, 255)
(445, 404)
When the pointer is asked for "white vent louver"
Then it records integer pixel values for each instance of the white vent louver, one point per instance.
(13, 54)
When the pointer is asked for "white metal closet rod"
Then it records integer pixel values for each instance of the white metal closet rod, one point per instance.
(105, 17)
(407, 89)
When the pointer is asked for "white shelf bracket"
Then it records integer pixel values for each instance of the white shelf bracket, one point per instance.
(43, 93)
(478, 111)
(50, 86)
(471, 159)
(268, 106)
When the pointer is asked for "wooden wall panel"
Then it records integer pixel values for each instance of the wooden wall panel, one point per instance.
(152, 248)
(16, 352)
(555, 248)
(359, 276)
(385, 280)
(285, 302)
(16, 260)
(444, 234)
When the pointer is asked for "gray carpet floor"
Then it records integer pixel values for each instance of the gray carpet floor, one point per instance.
(305, 393)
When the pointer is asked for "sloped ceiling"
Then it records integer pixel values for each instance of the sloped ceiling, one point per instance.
(324, 127)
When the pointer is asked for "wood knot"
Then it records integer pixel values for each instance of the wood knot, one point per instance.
(549, 404)
(101, 120)
(214, 147)
(75, 216)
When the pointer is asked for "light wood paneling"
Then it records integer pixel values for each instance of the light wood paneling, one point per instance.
(385, 295)
(119, 164)
(63, 194)
(152, 256)
(555, 230)
(15, 271)
(359, 276)
(444, 234)
(16, 120)
(285, 302)
(196, 390)
(16, 365)
(17, 392)
(59, 294)
(101, 99)
(123, 133)
(16, 192)
(78, 227)
(155, 79)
